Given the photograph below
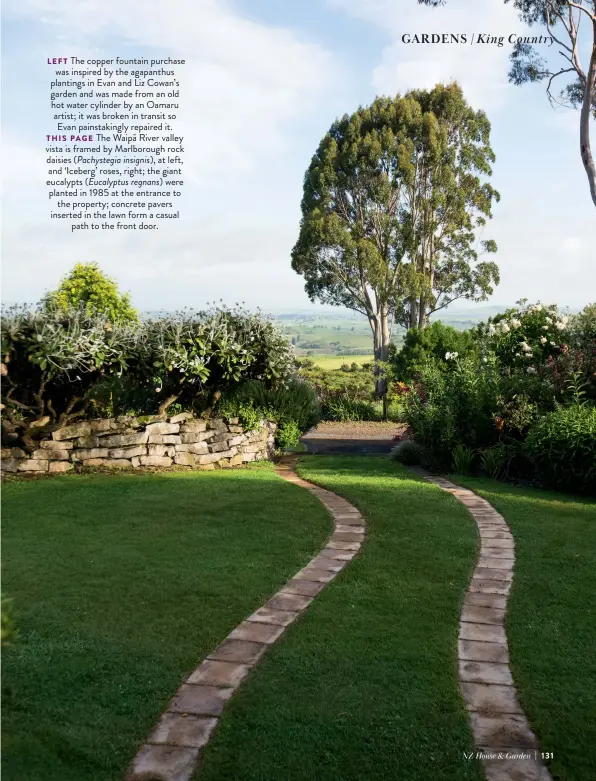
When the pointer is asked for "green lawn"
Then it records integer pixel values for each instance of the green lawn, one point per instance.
(551, 623)
(121, 585)
(329, 362)
(364, 684)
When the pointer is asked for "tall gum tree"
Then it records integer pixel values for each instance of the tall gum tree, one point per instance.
(391, 201)
(572, 27)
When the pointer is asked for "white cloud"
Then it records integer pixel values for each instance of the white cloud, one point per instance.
(481, 69)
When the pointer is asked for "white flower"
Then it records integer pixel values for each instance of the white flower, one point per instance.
(447, 356)
(560, 326)
(504, 327)
(158, 390)
(484, 360)
(538, 308)
(553, 344)
(531, 370)
(548, 320)
(545, 328)
(564, 319)
(454, 355)
(515, 323)
(528, 355)
(525, 346)
(517, 355)
(491, 330)
(543, 340)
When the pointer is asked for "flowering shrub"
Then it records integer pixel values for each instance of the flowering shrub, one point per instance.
(438, 343)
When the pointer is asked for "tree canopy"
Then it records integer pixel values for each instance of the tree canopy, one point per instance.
(392, 201)
(87, 287)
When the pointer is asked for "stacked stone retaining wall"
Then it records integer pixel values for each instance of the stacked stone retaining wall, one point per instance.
(150, 441)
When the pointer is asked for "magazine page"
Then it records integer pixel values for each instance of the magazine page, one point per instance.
(298, 390)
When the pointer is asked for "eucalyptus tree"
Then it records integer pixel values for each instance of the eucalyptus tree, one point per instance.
(392, 199)
(572, 26)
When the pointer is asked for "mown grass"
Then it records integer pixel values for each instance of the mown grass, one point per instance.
(364, 684)
(329, 362)
(121, 585)
(551, 623)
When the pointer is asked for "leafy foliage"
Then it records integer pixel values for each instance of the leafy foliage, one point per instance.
(293, 402)
(462, 459)
(86, 286)
(437, 343)
(563, 447)
(408, 452)
(53, 358)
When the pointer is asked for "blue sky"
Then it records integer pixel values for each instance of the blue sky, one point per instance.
(264, 80)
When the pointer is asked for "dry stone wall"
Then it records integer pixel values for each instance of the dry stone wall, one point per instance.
(150, 441)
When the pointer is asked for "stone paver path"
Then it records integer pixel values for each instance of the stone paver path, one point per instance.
(509, 749)
(352, 438)
(172, 751)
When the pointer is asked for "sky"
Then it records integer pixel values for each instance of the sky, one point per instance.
(263, 82)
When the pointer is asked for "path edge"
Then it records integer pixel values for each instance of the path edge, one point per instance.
(173, 750)
(505, 744)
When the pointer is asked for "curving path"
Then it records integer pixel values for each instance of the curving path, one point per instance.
(498, 722)
(172, 750)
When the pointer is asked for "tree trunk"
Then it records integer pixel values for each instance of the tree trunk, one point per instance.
(414, 313)
(584, 127)
(379, 324)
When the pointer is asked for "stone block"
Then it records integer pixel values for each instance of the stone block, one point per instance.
(232, 421)
(125, 440)
(220, 447)
(119, 463)
(95, 452)
(51, 455)
(185, 459)
(193, 426)
(490, 699)
(95, 461)
(234, 429)
(161, 450)
(164, 439)
(219, 673)
(207, 458)
(33, 465)
(200, 700)
(162, 428)
(176, 729)
(475, 671)
(246, 457)
(10, 464)
(195, 436)
(238, 440)
(52, 444)
(265, 615)
(222, 436)
(161, 762)
(128, 452)
(82, 429)
(87, 442)
(155, 461)
(216, 424)
(106, 424)
(198, 448)
(474, 650)
(181, 417)
(136, 462)
(236, 460)
(256, 632)
(241, 651)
